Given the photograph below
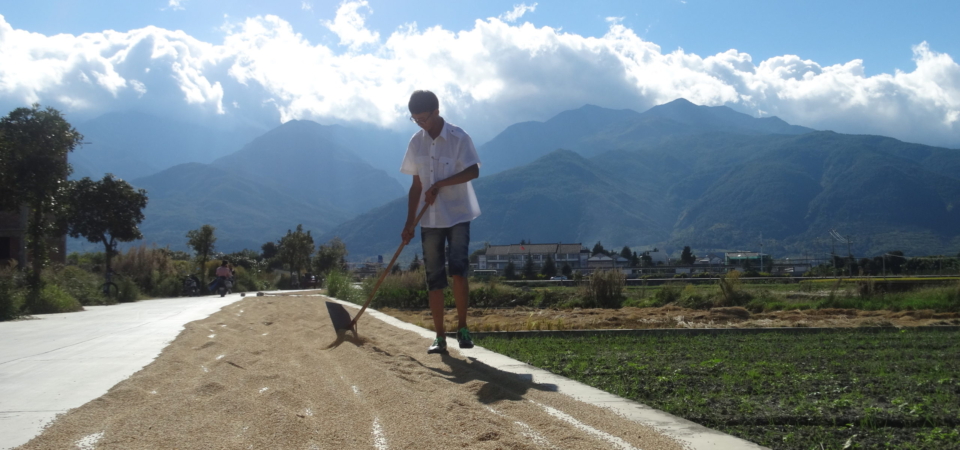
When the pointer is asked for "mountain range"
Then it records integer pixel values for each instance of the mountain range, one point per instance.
(678, 174)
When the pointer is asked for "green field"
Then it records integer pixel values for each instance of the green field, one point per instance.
(856, 389)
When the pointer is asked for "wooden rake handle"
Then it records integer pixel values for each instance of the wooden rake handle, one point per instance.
(383, 275)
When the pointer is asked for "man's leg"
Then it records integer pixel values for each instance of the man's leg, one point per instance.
(434, 242)
(436, 310)
(459, 266)
(461, 294)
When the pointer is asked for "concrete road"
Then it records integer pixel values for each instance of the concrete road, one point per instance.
(56, 362)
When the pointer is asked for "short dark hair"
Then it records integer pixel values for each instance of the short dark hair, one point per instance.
(225, 262)
(423, 101)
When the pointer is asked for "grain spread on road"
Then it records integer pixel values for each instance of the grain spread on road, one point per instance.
(261, 373)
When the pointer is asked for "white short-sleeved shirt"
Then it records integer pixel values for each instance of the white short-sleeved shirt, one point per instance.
(437, 159)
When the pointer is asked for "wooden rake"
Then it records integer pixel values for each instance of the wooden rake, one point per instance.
(339, 315)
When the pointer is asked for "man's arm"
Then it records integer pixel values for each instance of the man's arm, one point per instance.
(413, 200)
(461, 177)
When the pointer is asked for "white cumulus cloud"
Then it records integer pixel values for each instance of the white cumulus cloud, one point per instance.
(349, 25)
(176, 5)
(487, 77)
(518, 12)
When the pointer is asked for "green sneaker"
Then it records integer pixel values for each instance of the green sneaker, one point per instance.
(463, 337)
(439, 346)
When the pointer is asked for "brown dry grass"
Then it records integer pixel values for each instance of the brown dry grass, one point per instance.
(517, 319)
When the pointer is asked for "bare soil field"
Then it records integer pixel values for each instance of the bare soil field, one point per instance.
(267, 372)
(516, 319)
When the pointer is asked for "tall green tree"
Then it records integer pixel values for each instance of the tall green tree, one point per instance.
(295, 249)
(332, 255)
(598, 248)
(203, 242)
(529, 270)
(415, 264)
(268, 250)
(687, 256)
(625, 252)
(108, 212)
(510, 271)
(646, 260)
(549, 267)
(566, 270)
(34, 144)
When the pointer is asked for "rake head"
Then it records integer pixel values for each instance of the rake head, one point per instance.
(340, 317)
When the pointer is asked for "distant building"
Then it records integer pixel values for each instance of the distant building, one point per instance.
(658, 258)
(498, 256)
(601, 261)
(754, 260)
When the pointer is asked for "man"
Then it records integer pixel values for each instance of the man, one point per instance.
(442, 159)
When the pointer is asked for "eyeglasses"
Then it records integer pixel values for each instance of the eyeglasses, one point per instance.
(422, 121)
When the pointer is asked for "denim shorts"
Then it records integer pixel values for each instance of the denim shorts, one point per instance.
(436, 253)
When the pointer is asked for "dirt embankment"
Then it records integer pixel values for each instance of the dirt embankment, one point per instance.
(516, 319)
(262, 373)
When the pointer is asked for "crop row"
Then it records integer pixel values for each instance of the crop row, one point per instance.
(835, 389)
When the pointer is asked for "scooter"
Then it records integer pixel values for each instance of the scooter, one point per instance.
(225, 286)
(191, 286)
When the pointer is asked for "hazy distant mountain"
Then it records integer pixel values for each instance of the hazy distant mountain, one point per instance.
(297, 173)
(381, 148)
(560, 197)
(245, 212)
(678, 174)
(592, 130)
(307, 161)
(715, 191)
(132, 144)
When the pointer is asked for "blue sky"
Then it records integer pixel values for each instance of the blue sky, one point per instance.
(242, 59)
(829, 32)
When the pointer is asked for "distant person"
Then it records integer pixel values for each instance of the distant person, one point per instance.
(442, 159)
(223, 272)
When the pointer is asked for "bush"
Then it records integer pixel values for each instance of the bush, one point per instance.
(667, 294)
(53, 299)
(78, 283)
(604, 289)
(495, 295)
(168, 288)
(340, 285)
(11, 294)
(128, 290)
(691, 298)
(731, 290)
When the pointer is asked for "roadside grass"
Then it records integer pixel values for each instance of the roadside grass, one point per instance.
(828, 390)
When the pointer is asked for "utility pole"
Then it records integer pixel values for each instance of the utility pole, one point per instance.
(761, 252)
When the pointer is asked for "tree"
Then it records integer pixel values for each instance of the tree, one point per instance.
(202, 241)
(529, 271)
(108, 212)
(598, 248)
(268, 250)
(687, 256)
(34, 144)
(634, 260)
(646, 260)
(510, 271)
(549, 269)
(415, 264)
(332, 255)
(295, 249)
(566, 270)
(626, 253)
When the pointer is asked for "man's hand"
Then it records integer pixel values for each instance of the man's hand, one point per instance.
(407, 234)
(431, 195)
